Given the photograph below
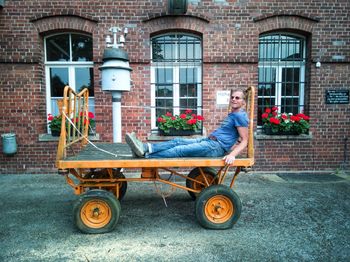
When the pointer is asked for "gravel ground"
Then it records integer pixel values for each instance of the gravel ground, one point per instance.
(285, 217)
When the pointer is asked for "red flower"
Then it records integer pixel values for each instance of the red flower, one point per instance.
(200, 118)
(188, 111)
(160, 119)
(268, 110)
(275, 108)
(265, 115)
(50, 117)
(86, 121)
(305, 117)
(284, 116)
(168, 114)
(295, 118)
(192, 121)
(274, 121)
(91, 115)
(274, 113)
(173, 118)
(183, 116)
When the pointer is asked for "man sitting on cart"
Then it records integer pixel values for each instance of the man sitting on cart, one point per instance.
(219, 143)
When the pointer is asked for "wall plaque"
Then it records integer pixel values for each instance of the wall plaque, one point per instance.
(337, 96)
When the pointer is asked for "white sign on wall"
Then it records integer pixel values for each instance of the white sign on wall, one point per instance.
(223, 97)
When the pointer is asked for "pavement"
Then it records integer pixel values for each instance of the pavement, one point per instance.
(285, 217)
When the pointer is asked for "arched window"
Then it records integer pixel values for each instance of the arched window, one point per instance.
(282, 59)
(68, 61)
(176, 74)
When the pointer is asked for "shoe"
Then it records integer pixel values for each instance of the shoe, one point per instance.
(135, 144)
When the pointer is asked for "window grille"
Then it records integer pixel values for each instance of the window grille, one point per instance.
(176, 75)
(281, 75)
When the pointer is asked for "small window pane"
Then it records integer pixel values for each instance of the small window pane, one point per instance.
(157, 51)
(188, 90)
(81, 48)
(84, 79)
(169, 53)
(182, 51)
(188, 75)
(188, 104)
(164, 75)
(57, 48)
(290, 81)
(164, 90)
(267, 89)
(290, 105)
(58, 80)
(163, 106)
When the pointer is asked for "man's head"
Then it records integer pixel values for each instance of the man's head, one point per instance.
(238, 99)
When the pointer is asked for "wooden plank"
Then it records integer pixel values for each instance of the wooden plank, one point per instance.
(157, 163)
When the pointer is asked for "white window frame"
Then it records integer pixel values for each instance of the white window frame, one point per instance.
(176, 66)
(279, 66)
(71, 66)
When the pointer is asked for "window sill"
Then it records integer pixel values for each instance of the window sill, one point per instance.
(260, 136)
(49, 137)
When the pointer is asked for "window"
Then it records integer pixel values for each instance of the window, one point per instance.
(68, 61)
(176, 74)
(281, 73)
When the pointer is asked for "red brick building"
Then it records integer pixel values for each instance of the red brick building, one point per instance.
(296, 53)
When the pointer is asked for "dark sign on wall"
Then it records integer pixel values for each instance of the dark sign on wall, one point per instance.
(337, 96)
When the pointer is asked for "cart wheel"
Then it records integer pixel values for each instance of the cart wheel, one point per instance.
(209, 173)
(218, 207)
(97, 211)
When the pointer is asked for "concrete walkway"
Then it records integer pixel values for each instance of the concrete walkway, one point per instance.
(285, 217)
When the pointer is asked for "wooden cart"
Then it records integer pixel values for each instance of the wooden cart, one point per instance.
(96, 173)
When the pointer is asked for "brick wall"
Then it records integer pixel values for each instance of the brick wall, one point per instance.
(230, 32)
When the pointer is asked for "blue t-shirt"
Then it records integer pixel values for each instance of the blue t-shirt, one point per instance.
(227, 134)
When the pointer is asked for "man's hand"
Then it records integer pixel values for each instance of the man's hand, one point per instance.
(229, 159)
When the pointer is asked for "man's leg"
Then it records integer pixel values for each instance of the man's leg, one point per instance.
(205, 148)
(157, 147)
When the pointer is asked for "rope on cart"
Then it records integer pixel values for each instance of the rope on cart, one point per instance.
(98, 148)
(164, 195)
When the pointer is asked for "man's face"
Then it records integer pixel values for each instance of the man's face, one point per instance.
(237, 100)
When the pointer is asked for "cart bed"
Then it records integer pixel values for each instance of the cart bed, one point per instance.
(91, 157)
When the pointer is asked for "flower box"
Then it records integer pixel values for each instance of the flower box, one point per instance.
(275, 123)
(55, 133)
(269, 131)
(185, 124)
(177, 132)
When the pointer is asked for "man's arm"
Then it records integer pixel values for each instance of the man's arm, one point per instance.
(238, 147)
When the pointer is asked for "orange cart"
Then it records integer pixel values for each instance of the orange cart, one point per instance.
(95, 173)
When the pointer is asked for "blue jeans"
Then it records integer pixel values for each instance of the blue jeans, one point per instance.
(186, 147)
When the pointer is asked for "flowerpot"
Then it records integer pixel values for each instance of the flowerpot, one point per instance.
(176, 132)
(55, 133)
(267, 130)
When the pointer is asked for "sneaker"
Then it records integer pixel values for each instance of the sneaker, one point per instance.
(135, 144)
